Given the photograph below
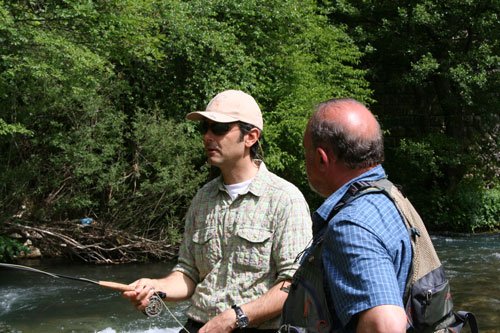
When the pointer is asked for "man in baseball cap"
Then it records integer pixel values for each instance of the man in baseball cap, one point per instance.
(243, 230)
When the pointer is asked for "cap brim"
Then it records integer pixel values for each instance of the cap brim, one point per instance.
(214, 116)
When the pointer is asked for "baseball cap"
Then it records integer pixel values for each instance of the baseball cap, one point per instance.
(230, 106)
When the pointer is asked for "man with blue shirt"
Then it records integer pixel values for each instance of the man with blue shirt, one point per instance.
(362, 250)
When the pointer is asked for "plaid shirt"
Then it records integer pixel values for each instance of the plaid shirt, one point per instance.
(236, 250)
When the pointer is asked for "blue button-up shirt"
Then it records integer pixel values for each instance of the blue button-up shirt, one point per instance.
(366, 251)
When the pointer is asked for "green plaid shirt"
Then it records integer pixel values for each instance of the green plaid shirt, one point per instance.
(236, 250)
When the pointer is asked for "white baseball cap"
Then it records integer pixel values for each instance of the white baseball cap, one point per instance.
(230, 106)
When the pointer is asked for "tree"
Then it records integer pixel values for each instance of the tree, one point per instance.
(433, 66)
(104, 87)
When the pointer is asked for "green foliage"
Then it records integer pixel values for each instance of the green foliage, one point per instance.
(474, 208)
(433, 66)
(95, 94)
(12, 128)
(104, 87)
(9, 248)
(470, 204)
(57, 89)
(470, 207)
(154, 195)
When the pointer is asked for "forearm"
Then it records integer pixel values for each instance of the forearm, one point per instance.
(264, 308)
(382, 319)
(268, 306)
(176, 285)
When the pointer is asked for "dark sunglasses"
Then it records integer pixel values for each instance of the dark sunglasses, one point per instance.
(216, 128)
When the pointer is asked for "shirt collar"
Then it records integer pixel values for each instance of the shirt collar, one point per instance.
(321, 214)
(259, 183)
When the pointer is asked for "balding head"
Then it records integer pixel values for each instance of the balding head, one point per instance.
(350, 130)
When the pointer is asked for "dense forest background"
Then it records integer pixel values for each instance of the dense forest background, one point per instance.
(93, 96)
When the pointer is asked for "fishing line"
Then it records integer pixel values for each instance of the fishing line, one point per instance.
(153, 308)
(158, 294)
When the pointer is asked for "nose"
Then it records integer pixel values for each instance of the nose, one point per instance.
(208, 136)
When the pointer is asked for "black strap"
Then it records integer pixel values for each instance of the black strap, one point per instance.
(354, 191)
(468, 317)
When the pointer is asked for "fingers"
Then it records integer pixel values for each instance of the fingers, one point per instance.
(139, 297)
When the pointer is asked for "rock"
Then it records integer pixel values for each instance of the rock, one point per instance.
(34, 253)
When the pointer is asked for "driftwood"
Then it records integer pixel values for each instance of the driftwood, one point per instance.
(93, 243)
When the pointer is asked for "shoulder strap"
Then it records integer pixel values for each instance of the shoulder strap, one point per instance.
(354, 191)
(425, 258)
(468, 317)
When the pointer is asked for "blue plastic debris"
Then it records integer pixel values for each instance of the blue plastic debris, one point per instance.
(86, 221)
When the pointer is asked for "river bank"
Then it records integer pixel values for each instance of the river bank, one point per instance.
(89, 242)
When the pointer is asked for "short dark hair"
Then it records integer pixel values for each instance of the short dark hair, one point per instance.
(354, 150)
(255, 150)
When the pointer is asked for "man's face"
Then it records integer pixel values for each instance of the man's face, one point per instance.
(222, 143)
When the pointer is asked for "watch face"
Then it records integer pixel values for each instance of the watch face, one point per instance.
(243, 321)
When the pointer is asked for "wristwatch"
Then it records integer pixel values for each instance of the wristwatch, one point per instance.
(241, 318)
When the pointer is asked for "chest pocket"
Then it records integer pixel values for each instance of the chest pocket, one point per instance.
(206, 249)
(253, 249)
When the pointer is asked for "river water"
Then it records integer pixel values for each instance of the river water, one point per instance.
(38, 303)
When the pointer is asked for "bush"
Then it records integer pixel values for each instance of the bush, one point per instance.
(167, 169)
(447, 185)
(9, 248)
(474, 208)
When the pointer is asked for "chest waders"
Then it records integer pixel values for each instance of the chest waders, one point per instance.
(427, 298)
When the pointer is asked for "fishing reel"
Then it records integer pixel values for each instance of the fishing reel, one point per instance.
(155, 305)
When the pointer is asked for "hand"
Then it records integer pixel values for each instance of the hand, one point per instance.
(222, 323)
(143, 290)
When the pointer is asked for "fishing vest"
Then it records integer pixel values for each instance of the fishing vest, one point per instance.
(427, 297)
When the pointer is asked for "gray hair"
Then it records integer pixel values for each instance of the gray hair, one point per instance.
(355, 150)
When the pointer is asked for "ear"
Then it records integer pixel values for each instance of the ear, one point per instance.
(252, 137)
(323, 159)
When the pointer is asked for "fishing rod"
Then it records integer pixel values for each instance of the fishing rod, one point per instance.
(153, 308)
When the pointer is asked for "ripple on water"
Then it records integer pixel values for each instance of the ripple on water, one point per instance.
(17, 299)
(6, 301)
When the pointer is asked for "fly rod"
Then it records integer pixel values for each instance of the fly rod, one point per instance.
(152, 310)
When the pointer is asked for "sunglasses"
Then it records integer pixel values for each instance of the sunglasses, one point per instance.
(216, 128)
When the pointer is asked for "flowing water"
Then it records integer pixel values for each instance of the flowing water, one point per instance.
(31, 302)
